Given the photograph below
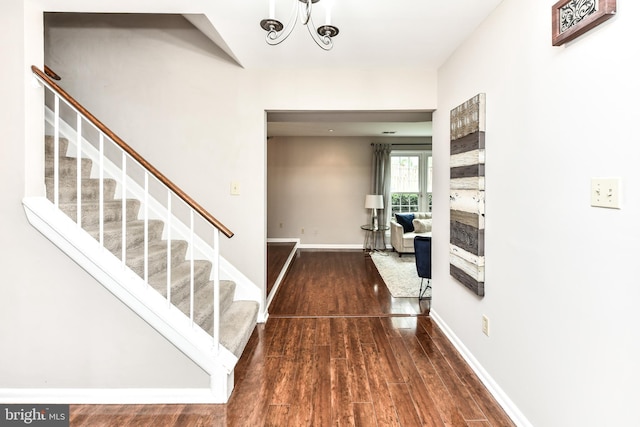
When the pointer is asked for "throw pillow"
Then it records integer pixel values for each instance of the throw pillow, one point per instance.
(421, 225)
(406, 221)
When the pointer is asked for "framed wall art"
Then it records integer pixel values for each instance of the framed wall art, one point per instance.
(466, 244)
(572, 18)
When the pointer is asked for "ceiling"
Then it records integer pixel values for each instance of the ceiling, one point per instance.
(373, 33)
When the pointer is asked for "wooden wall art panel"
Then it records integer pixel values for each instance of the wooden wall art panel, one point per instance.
(467, 162)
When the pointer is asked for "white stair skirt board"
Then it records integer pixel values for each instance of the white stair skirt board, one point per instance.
(276, 285)
(503, 400)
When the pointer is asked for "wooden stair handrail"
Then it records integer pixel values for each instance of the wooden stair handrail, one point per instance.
(115, 138)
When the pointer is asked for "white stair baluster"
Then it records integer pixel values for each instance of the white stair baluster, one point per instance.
(79, 167)
(146, 227)
(169, 246)
(124, 209)
(191, 268)
(56, 151)
(216, 289)
(101, 197)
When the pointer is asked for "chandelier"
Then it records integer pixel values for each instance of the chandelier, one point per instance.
(277, 33)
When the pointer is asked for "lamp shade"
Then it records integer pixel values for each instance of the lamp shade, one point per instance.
(373, 201)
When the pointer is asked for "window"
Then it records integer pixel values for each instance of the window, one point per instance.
(410, 181)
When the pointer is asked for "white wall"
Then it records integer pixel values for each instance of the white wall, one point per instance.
(561, 276)
(59, 328)
(318, 184)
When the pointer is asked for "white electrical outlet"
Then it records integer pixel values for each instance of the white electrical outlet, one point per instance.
(485, 325)
(605, 192)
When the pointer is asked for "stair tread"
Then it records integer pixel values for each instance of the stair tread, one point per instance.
(67, 167)
(157, 253)
(203, 303)
(96, 203)
(237, 324)
(181, 279)
(49, 145)
(156, 246)
(72, 179)
(90, 188)
(131, 225)
(180, 275)
(112, 234)
(112, 211)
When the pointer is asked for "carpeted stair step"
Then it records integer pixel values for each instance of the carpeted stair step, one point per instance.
(135, 233)
(237, 324)
(181, 279)
(112, 211)
(68, 167)
(157, 256)
(49, 144)
(90, 189)
(203, 303)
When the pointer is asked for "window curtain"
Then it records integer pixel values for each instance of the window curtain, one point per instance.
(381, 177)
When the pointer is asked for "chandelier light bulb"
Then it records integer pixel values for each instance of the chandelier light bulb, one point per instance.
(328, 8)
(272, 9)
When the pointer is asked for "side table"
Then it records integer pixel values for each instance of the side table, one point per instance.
(372, 236)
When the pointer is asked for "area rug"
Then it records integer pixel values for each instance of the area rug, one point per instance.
(399, 274)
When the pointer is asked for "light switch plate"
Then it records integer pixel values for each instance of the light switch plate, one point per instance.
(606, 192)
(235, 188)
(485, 325)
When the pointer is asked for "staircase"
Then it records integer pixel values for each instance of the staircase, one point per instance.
(237, 318)
(104, 211)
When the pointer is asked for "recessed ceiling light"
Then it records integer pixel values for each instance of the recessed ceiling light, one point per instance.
(330, 130)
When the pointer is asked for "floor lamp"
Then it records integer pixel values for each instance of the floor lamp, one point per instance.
(374, 202)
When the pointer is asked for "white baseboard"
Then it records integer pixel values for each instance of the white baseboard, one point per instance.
(331, 246)
(327, 246)
(110, 396)
(496, 391)
(283, 240)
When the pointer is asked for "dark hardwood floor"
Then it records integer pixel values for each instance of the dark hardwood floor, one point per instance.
(339, 283)
(337, 350)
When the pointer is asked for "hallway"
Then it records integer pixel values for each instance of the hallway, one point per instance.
(337, 350)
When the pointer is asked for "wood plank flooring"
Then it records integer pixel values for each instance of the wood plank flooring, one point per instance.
(339, 283)
(330, 359)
